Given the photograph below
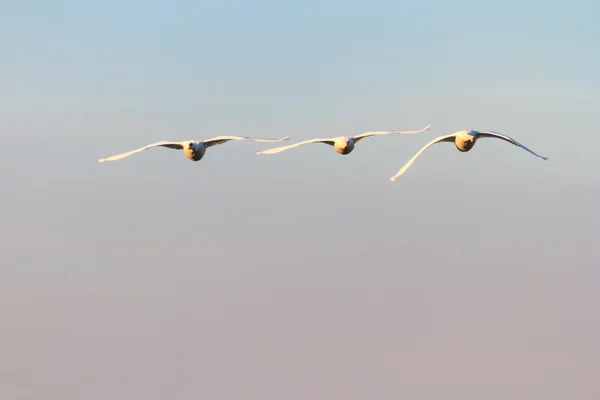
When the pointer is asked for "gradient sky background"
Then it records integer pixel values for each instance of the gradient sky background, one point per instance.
(305, 274)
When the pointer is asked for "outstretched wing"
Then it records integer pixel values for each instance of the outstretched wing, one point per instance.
(448, 138)
(170, 145)
(367, 134)
(509, 140)
(222, 139)
(330, 142)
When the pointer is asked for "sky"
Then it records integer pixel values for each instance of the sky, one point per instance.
(303, 274)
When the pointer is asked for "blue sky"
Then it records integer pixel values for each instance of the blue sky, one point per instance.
(306, 271)
(143, 70)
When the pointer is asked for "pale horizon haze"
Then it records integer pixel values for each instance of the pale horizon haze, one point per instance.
(304, 274)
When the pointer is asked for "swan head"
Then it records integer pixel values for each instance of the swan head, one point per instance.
(194, 151)
(344, 145)
(465, 140)
(189, 149)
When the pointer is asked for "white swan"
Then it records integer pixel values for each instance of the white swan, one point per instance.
(464, 141)
(341, 144)
(192, 149)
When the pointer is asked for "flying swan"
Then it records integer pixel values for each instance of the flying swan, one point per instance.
(192, 149)
(342, 144)
(464, 141)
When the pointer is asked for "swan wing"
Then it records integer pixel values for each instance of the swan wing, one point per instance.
(367, 134)
(447, 138)
(330, 142)
(170, 145)
(492, 134)
(222, 139)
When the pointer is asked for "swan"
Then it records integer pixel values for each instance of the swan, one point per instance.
(464, 141)
(192, 149)
(342, 144)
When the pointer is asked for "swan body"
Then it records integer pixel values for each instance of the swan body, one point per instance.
(341, 144)
(464, 140)
(192, 149)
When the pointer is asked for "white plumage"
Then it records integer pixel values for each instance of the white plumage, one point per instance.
(342, 144)
(464, 141)
(192, 149)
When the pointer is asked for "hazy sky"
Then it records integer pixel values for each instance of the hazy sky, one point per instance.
(304, 274)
